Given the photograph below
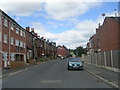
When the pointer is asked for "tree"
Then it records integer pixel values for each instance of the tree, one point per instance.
(79, 51)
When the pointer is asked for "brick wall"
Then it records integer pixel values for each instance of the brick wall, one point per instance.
(63, 51)
(109, 35)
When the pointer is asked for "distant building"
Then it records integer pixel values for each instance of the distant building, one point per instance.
(62, 51)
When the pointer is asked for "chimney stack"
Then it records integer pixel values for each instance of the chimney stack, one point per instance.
(28, 28)
(32, 30)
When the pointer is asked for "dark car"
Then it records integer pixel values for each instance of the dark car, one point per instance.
(75, 63)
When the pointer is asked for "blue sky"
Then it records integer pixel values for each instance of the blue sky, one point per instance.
(67, 23)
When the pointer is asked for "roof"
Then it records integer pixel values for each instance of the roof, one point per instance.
(11, 19)
(115, 18)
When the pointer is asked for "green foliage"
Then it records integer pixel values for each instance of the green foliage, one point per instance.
(41, 59)
(78, 51)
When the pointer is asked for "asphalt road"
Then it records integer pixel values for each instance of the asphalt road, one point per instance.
(52, 74)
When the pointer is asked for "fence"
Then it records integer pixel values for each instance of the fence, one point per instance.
(108, 60)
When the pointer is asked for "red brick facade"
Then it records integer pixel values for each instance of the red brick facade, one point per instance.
(107, 36)
(13, 41)
(0, 41)
(21, 45)
(62, 51)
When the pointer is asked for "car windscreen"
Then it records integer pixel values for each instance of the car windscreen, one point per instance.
(74, 60)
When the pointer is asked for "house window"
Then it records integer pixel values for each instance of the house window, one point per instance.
(12, 56)
(0, 37)
(17, 30)
(17, 43)
(17, 48)
(21, 33)
(4, 56)
(5, 22)
(12, 27)
(21, 44)
(12, 41)
(5, 38)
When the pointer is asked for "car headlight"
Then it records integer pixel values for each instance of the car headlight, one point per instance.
(80, 64)
(70, 64)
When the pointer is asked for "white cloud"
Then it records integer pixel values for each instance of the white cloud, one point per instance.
(21, 8)
(59, 11)
(70, 38)
(75, 37)
(66, 10)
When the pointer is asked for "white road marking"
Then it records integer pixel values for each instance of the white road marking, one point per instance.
(18, 71)
(51, 81)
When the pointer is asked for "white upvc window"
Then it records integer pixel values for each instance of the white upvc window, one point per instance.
(12, 56)
(21, 33)
(5, 22)
(21, 44)
(0, 37)
(16, 42)
(12, 27)
(5, 55)
(17, 30)
(12, 41)
(5, 38)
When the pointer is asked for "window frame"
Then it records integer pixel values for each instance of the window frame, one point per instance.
(12, 41)
(5, 38)
(5, 23)
(17, 42)
(17, 30)
(21, 33)
(12, 26)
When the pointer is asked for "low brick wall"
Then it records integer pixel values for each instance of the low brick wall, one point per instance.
(31, 61)
(16, 64)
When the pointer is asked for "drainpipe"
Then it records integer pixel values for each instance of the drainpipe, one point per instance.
(25, 50)
(9, 44)
(1, 38)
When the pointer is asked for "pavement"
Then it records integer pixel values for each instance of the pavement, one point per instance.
(6, 72)
(109, 77)
(52, 74)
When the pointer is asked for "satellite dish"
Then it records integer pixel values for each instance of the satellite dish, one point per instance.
(103, 14)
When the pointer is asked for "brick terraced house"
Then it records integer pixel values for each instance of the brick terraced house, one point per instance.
(19, 46)
(62, 51)
(13, 40)
(106, 37)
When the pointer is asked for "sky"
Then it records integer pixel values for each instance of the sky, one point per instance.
(69, 23)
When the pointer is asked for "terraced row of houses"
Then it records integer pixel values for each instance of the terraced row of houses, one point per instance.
(103, 48)
(19, 45)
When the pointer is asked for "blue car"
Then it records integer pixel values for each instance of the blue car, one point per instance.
(75, 63)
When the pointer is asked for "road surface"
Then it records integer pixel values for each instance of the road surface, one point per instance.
(52, 74)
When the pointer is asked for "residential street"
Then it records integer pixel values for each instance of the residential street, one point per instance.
(52, 74)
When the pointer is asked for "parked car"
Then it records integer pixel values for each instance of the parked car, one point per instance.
(75, 63)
